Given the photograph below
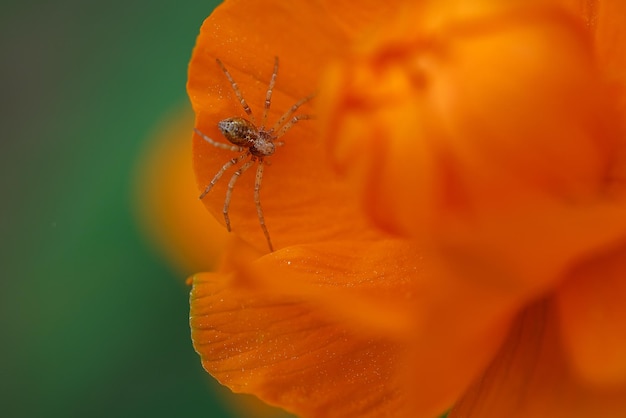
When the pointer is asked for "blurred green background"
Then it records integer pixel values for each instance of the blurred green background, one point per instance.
(94, 323)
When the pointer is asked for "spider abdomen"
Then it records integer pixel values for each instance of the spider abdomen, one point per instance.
(239, 131)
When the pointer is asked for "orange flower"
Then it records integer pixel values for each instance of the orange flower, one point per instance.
(456, 216)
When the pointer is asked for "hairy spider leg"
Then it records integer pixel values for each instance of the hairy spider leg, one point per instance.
(292, 122)
(268, 95)
(219, 174)
(290, 112)
(257, 202)
(231, 186)
(216, 144)
(235, 87)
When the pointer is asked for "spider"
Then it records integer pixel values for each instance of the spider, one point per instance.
(253, 143)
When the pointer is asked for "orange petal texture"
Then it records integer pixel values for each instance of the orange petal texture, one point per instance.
(278, 348)
(530, 377)
(247, 47)
(299, 195)
(466, 162)
(387, 290)
(593, 317)
(491, 142)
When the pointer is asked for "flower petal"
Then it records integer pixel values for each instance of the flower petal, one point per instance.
(606, 18)
(484, 133)
(592, 305)
(391, 289)
(287, 354)
(361, 21)
(301, 198)
(530, 378)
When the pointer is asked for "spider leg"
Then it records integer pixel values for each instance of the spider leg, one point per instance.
(219, 174)
(231, 186)
(292, 122)
(218, 144)
(291, 111)
(268, 95)
(257, 201)
(235, 87)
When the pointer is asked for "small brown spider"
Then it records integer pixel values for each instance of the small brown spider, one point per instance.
(253, 142)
